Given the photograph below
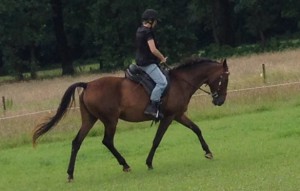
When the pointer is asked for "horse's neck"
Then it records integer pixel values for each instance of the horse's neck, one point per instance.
(190, 80)
(196, 75)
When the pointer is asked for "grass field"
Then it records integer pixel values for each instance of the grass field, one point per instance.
(253, 151)
(254, 137)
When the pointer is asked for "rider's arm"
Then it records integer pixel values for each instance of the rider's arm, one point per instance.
(155, 51)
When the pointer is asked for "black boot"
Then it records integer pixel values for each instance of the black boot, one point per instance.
(153, 110)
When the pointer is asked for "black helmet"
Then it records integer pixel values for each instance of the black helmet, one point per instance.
(150, 14)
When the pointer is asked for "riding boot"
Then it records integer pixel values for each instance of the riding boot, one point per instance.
(153, 110)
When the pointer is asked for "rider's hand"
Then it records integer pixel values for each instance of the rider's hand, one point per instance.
(164, 60)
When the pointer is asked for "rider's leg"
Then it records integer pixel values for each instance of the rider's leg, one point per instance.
(161, 83)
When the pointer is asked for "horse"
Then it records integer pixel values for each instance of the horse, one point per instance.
(109, 99)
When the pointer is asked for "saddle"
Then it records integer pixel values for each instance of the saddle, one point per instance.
(136, 74)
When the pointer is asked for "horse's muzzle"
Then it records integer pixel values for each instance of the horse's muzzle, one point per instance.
(218, 101)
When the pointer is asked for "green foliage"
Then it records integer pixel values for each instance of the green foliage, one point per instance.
(273, 45)
(23, 27)
(105, 30)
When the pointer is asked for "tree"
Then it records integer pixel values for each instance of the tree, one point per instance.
(63, 48)
(176, 32)
(34, 33)
(114, 24)
(1, 63)
(22, 29)
(261, 16)
(221, 22)
(215, 16)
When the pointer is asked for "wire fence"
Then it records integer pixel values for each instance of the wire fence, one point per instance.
(196, 95)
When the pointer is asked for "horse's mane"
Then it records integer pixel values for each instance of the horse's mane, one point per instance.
(191, 61)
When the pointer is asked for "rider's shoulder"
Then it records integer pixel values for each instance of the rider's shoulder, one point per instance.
(143, 29)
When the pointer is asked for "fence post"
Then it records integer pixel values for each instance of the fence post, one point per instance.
(264, 73)
(3, 102)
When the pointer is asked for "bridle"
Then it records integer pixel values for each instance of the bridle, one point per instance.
(215, 94)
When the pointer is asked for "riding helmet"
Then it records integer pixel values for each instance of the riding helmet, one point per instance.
(150, 14)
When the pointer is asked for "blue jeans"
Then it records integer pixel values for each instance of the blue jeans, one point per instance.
(159, 78)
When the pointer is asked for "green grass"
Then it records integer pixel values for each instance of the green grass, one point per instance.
(254, 137)
(253, 151)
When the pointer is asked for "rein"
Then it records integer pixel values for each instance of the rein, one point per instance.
(204, 91)
(197, 88)
(165, 65)
(214, 94)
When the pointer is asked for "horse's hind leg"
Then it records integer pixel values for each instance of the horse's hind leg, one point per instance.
(184, 120)
(87, 123)
(108, 141)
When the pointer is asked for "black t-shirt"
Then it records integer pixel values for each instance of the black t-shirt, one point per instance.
(144, 56)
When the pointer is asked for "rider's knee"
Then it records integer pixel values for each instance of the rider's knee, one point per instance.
(163, 84)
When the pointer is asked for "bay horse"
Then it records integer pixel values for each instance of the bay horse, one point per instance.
(112, 98)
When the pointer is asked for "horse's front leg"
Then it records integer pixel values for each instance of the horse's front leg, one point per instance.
(184, 120)
(162, 128)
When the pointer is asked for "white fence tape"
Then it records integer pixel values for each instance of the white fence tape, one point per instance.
(255, 88)
(229, 91)
(33, 113)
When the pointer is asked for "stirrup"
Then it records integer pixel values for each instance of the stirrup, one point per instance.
(157, 116)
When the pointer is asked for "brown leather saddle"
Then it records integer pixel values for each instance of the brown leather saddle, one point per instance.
(136, 74)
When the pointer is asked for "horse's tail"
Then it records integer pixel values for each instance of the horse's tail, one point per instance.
(66, 101)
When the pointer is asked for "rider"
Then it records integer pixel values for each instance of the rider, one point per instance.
(148, 57)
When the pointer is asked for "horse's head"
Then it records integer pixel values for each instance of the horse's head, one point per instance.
(218, 82)
(197, 71)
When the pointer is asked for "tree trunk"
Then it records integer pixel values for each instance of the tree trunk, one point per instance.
(33, 62)
(1, 63)
(262, 38)
(64, 50)
(222, 26)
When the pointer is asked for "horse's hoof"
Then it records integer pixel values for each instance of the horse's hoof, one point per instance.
(209, 156)
(70, 179)
(126, 169)
(150, 167)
